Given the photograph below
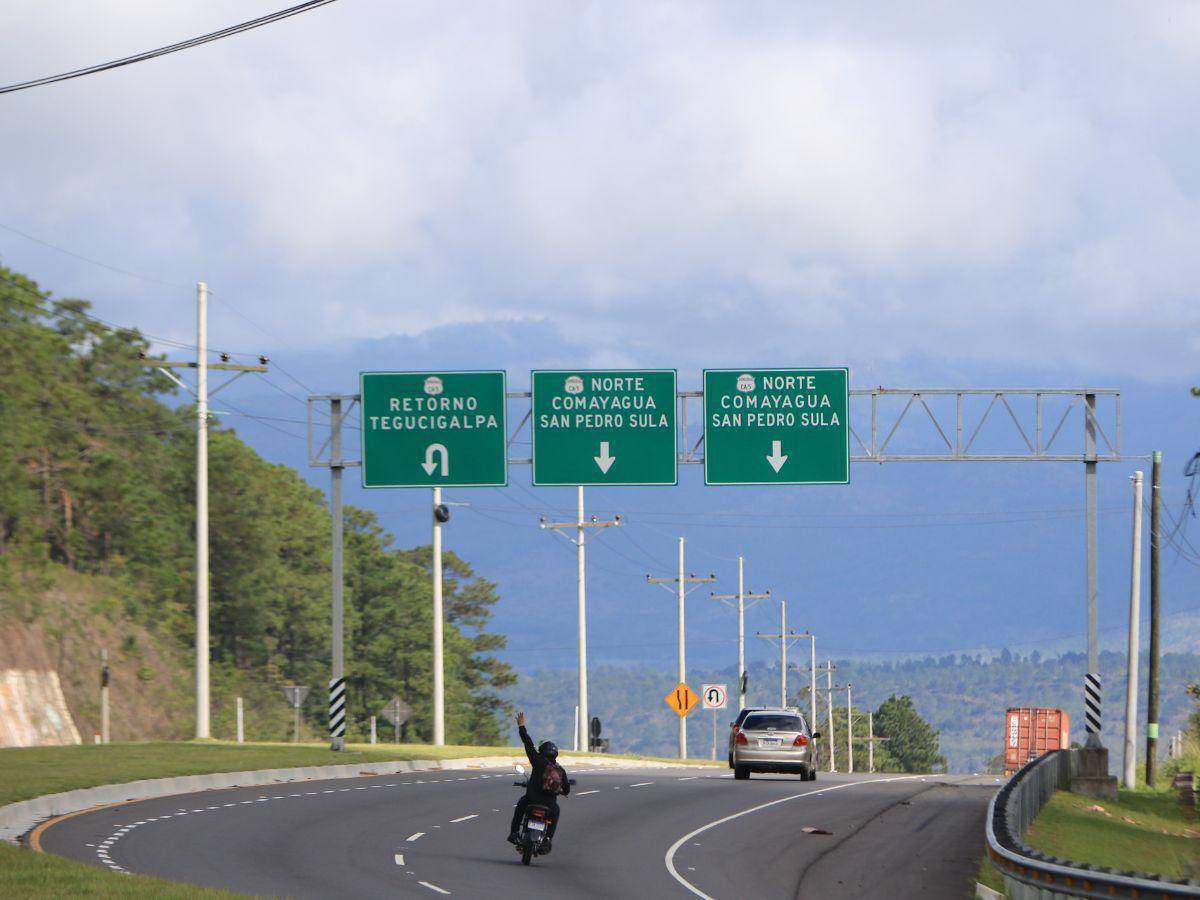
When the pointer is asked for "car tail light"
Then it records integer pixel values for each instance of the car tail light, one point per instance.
(741, 739)
(800, 741)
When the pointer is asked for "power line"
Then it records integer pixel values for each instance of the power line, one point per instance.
(229, 31)
(94, 262)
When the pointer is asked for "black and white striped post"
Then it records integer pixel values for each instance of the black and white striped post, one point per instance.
(1091, 705)
(337, 709)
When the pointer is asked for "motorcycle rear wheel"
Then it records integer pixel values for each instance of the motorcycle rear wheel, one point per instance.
(526, 853)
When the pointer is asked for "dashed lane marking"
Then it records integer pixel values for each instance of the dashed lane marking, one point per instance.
(641, 784)
(413, 837)
(464, 818)
(399, 859)
(433, 887)
(585, 793)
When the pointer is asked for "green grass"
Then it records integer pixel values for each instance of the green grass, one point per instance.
(32, 771)
(1155, 841)
(989, 876)
(24, 873)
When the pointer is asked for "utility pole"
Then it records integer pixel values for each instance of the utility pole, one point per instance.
(581, 574)
(812, 675)
(829, 668)
(104, 730)
(439, 670)
(741, 597)
(849, 731)
(870, 741)
(1155, 606)
(681, 591)
(784, 637)
(202, 395)
(1135, 613)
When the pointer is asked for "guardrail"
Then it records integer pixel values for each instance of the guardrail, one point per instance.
(1032, 875)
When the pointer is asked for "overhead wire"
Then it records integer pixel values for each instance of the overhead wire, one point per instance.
(229, 31)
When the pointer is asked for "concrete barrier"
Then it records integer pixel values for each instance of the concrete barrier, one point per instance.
(18, 818)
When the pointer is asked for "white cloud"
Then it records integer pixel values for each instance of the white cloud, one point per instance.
(880, 185)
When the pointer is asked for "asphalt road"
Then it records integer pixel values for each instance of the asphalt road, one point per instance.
(670, 832)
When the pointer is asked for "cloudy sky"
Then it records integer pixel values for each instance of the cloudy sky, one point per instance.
(1015, 187)
(928, 193)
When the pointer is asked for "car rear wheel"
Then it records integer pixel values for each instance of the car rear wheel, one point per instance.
(741, 773)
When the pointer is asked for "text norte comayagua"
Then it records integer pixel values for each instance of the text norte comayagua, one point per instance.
(770, 410)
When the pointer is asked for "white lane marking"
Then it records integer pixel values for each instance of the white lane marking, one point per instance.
(642, 784)
(433, 887)
(689, 778)
(585, 793)
(399, 859)
(413, 837)
(464, 818)
(669, 859)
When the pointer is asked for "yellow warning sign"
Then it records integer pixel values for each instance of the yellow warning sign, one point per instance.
(682, 699)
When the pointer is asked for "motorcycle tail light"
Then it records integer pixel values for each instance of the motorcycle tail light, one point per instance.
(801, 741)
(741, 739)
(538, 814)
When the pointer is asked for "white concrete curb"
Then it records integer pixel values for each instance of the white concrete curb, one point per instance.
(18, 818)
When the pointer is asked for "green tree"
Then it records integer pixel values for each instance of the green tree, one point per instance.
(912, 745)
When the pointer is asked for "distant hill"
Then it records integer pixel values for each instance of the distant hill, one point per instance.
(963, 697)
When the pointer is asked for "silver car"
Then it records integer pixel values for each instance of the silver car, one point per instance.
(773, 740)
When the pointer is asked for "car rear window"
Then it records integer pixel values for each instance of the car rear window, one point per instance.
(767, 722)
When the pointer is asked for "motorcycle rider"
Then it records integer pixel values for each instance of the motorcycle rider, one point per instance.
(540, 759)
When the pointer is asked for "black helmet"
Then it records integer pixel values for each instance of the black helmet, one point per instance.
(549, 749)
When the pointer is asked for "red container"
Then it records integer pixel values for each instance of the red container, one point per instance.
(1030, 731)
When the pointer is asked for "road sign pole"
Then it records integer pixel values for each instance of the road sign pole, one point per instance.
(337, 681)
(439, 687)
(682, 651)
(241, 733)
(714, 752)
(581, 575)
(202, 701)
(1135, 611)
(1092, 683)
(296, 719)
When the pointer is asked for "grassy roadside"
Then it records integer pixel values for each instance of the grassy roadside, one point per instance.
(27, 772)
(1144, 831)
(26, 874)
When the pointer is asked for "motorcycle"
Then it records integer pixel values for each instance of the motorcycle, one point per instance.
(535, 825)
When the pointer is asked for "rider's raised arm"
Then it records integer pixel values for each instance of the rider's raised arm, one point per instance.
(530, 749)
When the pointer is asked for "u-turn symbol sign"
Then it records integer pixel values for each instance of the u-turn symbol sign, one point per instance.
(714, 695)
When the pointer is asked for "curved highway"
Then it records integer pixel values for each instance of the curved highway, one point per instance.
(663, 832)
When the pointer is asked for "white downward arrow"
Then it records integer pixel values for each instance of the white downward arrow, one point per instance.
(777, 457)
(429, 465)
(604, 461)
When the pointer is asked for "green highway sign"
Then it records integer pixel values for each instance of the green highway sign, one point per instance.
(776, 426)
(433, 429)
(611, 426)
